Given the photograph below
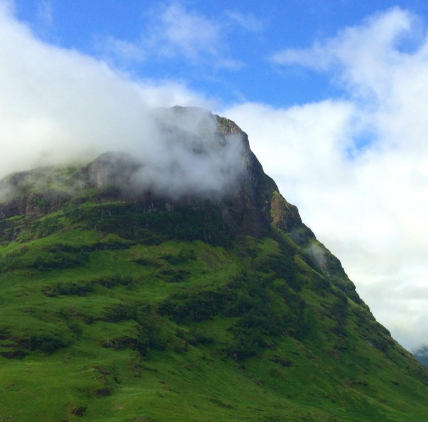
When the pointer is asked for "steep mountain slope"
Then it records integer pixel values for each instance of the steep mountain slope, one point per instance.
(119, 304)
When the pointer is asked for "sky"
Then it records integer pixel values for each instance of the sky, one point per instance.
(332, 93)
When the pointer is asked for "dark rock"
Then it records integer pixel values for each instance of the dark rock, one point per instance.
(103, 392)
(79, 411)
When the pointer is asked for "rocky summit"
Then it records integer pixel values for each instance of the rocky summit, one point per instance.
(122, 302)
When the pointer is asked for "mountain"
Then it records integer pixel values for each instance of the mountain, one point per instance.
(122, 303)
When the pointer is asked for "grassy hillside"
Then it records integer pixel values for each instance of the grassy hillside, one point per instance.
(109, 313)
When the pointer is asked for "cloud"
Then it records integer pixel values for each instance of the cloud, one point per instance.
(124, 51)
(58, 106)
(45, 12)
(177, 31)
(174, 32)
(245, 20)
(357, 168)
(361, 54)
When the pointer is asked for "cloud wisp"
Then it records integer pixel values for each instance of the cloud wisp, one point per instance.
(45, 13)
(357, 167)
(247, 21)
(173, 32)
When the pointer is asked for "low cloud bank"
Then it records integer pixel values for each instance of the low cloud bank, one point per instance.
(59, 106)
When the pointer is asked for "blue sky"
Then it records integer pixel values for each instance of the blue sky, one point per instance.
(87, 26)
(332, 94)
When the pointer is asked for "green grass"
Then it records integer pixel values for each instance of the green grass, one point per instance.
(186, 329)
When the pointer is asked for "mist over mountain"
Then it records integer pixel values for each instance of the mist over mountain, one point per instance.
(422, 355)
(70, 108)
(168, 159)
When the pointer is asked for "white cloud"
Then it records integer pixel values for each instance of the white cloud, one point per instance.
(174, 32)
(368, 203)
(363, 54)
(177, 31)
(58, 106)
(125, 51)
(45, 12)
(245, 20)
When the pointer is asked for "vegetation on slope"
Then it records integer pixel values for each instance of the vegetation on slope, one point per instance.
(101, 321)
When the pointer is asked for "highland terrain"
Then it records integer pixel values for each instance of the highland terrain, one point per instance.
(120, 303)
